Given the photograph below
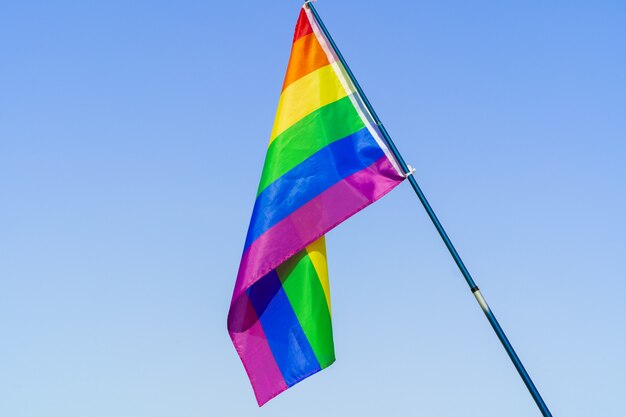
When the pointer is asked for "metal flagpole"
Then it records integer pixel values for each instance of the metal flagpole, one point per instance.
(409, 173)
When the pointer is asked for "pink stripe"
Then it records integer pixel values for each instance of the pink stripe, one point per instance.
(314, 219)
(251, 343)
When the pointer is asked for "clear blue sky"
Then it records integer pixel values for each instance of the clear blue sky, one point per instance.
(132, 136)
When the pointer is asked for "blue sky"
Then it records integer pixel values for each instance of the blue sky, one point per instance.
(131, 142)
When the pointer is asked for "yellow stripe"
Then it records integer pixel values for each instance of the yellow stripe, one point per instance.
(317, 254)
(309, 93)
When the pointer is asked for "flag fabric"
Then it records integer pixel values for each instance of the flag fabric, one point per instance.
(326, 161)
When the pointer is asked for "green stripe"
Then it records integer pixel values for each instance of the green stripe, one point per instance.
(310, 134)
(306, 295)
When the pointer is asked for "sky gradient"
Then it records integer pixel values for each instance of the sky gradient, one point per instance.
(132, 138)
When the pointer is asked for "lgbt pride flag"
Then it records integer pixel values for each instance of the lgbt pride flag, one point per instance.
(326, 161)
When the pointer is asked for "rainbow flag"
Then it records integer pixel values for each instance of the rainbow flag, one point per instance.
(326, 161)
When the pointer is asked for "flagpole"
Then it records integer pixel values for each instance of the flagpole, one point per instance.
(455, 255)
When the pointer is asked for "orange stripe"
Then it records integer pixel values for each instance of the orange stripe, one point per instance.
(307, 55)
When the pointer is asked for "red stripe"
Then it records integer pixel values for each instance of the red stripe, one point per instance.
(303, 27)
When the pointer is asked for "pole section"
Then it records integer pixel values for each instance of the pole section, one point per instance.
(455, 255)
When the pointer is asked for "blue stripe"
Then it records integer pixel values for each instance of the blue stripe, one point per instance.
(291, 348)
(315, 174)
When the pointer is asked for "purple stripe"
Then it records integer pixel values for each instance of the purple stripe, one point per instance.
(251, 343)
(290, 346)
(314, 219)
